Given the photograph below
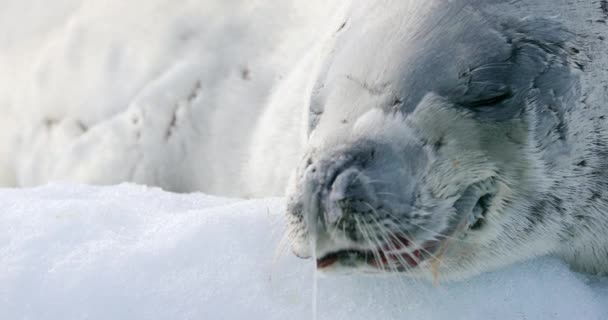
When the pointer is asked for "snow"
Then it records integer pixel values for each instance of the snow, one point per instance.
(143, 91)
(134, 252)
(102, 92)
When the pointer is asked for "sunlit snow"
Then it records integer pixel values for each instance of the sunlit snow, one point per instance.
(131, 252)
(109, 91)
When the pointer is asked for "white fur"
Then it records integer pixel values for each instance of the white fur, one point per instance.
(519, 179)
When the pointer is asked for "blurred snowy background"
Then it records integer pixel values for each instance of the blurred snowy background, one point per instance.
(109, 91)
(102, 92)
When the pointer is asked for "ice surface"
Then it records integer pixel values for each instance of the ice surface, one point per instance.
(132, 252)
(110, 91)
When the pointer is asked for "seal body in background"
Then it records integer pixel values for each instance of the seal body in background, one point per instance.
(447, 138)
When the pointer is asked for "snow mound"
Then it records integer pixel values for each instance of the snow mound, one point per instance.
(132, 252)
(144, 90)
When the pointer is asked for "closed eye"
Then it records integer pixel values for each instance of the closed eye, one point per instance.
(490, 101)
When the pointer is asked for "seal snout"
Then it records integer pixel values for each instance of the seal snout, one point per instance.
(356, 206)
(349, 192)
(338, 190)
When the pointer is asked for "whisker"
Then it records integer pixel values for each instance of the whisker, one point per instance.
(368, 239)
(435, 233)
(286, 241)
(388, 241)
(385, 233)
(410, 238)
(388, 194)
(385, 268)
(436, 259)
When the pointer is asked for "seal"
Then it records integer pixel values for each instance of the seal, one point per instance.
(449, 138)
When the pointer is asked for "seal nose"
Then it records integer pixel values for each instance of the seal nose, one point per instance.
(345, 189)
(350, 192)
(337, 189)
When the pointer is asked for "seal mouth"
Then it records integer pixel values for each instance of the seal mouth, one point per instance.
(350, 257)
(401, 254)
(398, 256)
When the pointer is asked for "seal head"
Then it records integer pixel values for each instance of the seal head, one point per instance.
(439, 146)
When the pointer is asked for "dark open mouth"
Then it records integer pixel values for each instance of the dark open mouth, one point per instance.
(346, 257)
(394, 257)
(401, 254)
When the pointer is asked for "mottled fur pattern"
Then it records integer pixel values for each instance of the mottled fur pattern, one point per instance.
(427, 99)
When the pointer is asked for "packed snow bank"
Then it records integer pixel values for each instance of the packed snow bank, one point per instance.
(131, 252)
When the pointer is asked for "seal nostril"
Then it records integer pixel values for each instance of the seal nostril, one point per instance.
(345, 183)
(308, 162)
